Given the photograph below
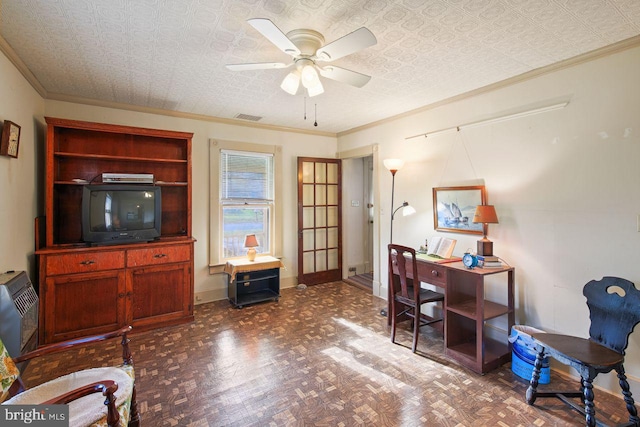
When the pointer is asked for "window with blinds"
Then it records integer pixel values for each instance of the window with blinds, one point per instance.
(246, 200)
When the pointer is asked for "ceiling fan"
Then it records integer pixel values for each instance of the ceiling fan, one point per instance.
(307, 49)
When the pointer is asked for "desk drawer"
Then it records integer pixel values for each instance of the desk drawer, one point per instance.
(158, 255)
(84, 262)
(433, 273)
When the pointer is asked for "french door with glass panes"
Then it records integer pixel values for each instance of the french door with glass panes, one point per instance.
(319, 221)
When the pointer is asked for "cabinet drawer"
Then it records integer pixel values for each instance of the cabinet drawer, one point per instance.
(159, 255)
(432, 273)
(84, 262)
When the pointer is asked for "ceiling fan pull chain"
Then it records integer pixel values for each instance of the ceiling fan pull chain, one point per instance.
(315, 123)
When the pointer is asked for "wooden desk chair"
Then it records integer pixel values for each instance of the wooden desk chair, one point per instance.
(614, 306)
(96, 397)
(410, 294)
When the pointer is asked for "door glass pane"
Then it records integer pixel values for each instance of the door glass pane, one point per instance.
(321, 217)
(321, 261)
(307, 217)
(332, 216)
(307, 195)
(307, 240)
(332, 195)
(307, 172)
(321, 194)
(333, 259)
(332, 173)
(332, 237)
(321, 238)
(321, 173)
(307, 262)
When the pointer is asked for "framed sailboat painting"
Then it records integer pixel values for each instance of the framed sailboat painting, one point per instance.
(454, 207)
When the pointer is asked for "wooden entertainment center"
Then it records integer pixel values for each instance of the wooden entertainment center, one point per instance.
(88, 289)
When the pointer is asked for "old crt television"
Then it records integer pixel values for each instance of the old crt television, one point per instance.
(121, 213)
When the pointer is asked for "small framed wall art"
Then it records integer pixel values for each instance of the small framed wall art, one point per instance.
(453, 208)
(10, 139)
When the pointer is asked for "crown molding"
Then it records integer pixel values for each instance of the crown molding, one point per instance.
(182, 115)
(21, 66)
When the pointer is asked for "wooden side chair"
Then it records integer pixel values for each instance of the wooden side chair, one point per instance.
(96, 397)
(614, 307)
(410, 295)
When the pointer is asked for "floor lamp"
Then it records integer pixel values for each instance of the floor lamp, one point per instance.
(394, 165)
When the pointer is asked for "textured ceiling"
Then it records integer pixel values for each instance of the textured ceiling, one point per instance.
(171, 54)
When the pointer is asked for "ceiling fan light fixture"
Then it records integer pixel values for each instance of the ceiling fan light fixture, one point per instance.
(291, 83)
(315, 90)
(309, 76)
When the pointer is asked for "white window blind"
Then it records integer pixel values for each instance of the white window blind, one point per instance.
(246, 176)
(246, 201)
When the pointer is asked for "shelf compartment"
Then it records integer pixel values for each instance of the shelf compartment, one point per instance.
(160, 184)
(255, 297)
(493, 351)
(119, 142)
(117, 158)
(69, 168)
(467, 309)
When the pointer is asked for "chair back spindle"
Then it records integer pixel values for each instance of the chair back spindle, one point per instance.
(400, 261)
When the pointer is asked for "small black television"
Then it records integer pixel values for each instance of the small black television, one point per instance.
(121, 213)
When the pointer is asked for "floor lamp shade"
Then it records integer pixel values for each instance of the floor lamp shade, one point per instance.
(485, 214)
(394, 165)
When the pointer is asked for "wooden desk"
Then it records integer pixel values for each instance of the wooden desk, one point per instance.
(466, 311)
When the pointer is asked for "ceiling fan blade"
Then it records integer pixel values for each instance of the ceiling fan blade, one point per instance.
(257, 66)
(345, 76)
(346, 45)
(274, 35)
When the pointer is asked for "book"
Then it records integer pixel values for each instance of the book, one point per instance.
(441, 247)
(492, 264)
(488, 258)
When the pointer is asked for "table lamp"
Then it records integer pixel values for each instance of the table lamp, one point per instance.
(250, 241)
(486, 214)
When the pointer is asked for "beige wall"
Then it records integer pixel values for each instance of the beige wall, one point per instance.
(19, 198)
(565, 185)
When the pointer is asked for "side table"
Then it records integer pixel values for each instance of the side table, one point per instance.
(250, 282)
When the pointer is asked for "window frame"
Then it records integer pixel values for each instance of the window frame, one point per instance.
(216, 147)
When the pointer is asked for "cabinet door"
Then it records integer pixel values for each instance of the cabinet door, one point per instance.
(159, 294)
(77, 305)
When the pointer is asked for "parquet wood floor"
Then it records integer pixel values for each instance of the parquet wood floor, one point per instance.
(319, 357)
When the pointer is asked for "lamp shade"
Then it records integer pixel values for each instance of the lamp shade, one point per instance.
(309, 76)
(250, 241)
(408, 210)
(315, 90)
(485, 214)
(393, 165)
(291, 83)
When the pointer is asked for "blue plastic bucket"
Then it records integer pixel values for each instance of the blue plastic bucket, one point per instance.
(523, 354)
